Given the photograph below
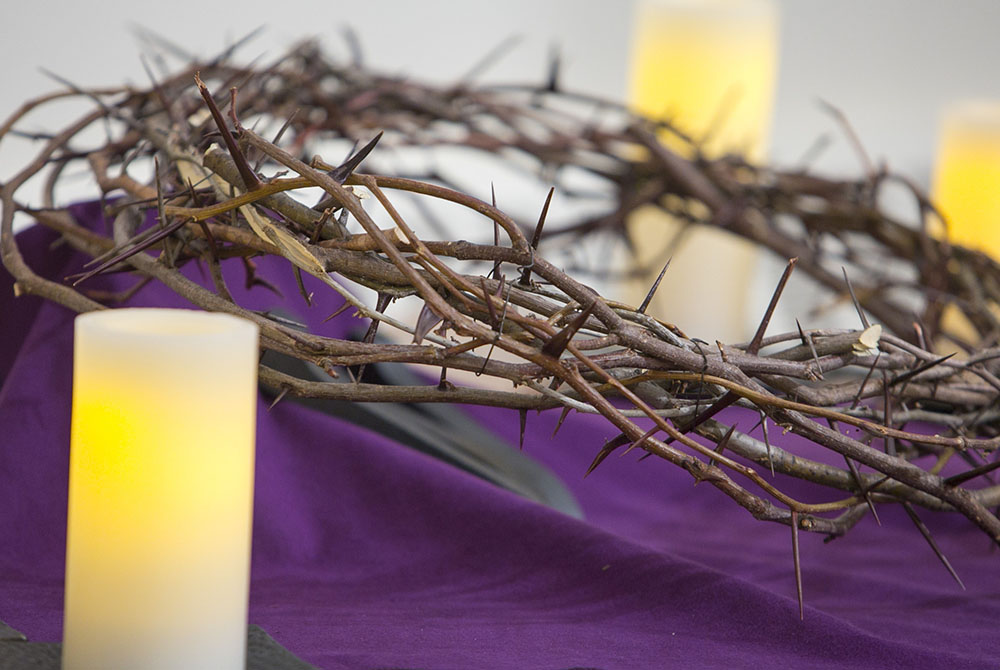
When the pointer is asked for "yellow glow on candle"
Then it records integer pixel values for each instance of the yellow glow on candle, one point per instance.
(708, 67)
(161, 489)
(967, 176)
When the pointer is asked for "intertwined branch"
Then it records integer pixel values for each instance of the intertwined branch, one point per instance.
(571, 347)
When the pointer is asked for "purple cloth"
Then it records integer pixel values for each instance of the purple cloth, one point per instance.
(368, 554)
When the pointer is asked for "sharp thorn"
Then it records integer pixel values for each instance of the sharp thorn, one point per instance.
(722, 444)
(854, 299)
(281, 396)
(340, 310)
(606, 451)
(344, 170)
(769, 312)
(767, 441)
(866, 494)
(537, 235)
(652, 290)
(523, 418)
(961, 477)
(642, 440)
(796, 559)
(925, 531)
(562, 417)
(558, 343)
(922, 368)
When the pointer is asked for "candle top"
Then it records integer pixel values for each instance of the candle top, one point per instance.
(979, 114)
(728, 8)
(159, 322)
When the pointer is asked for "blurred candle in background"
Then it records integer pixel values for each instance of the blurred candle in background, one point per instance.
(966, 189)
(708, 66)
(967, 175)
(161, 490)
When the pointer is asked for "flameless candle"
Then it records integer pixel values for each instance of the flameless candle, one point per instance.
(709, 67)
(966, 189)
(161, 490)
(967, 175)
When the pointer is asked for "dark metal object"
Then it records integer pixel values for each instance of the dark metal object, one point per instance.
(16, 653)
(439, 430)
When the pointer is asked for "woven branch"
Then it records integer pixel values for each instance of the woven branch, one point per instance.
(572, 348)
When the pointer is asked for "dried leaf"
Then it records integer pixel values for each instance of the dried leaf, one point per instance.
(867, 342)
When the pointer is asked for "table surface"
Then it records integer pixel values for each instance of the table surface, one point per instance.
(368, 554)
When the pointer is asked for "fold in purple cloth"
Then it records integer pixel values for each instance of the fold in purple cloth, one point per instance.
(368, 554)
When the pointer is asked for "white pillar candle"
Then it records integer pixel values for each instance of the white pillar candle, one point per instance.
(709, 67)
(161, 490)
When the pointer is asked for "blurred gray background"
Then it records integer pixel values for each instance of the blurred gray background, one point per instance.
(890, 65)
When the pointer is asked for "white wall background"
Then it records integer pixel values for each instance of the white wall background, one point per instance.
(890, 65)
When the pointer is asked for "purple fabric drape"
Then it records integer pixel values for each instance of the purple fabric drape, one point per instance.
(368, 554)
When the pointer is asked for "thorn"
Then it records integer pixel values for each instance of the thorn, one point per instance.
(232, 110)
(321, 222)
(253, 280)
(523, 416)
(562, 417)
(606, 450)
(767, 441)
(344, 170)
(925, 531)
(382, 301)
(759, 335)
(916, 371)
(340, 310)
(652, 290)
(854, 299)
(281, 396)
(354, 46)
(861, 487)
(986, 468)
(642, 440)
(864, 382)
(890, 442)
(250, 180)
(537, 235)
(160, 215)
(301, 285)
(164, 232)
(807, 339)
(496, 232)
(796, 559)
(919, 330)
(852, 136)
(157, 88)
(722, 444)
(503, 319)
(427, 319)
(340, 173)
(443, 383)
(224, 56)
(494, 317)
(277, 137)
(555, 66)
(491, 57)
(558, 343)
(725, 401)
